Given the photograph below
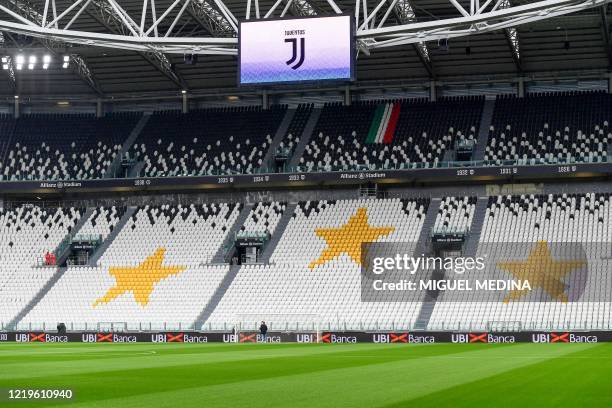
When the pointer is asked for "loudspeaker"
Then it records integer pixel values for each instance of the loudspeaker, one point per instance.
(191, 59)
(443, 44)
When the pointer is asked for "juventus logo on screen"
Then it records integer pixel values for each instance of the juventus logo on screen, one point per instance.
(294, 56)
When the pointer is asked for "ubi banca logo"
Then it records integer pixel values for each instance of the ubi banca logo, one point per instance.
(40, 337)
(564, 337)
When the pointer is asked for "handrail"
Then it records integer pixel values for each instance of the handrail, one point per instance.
(356, 167)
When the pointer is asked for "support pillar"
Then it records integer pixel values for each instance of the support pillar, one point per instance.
(433, 92)
(99, 108)
(347, 96)
(16, 111)
(185, 102)
(521, 87)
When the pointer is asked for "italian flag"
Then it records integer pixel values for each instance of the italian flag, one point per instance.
(384, 123)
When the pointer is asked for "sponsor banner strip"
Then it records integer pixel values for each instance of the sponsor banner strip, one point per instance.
(310, 337)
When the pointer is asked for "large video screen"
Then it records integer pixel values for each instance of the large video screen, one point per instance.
(296, 50)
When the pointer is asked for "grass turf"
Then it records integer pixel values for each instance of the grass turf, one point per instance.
(315, 375)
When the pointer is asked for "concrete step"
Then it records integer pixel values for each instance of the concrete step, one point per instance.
(424, 242)
(216, 297)
(423, 247)
(268, 160)
(429, 303)
(483, 133)
(37, 298)
(116, 164)
(470, 246)
(95, 257)
(305, 137)
(278, 233)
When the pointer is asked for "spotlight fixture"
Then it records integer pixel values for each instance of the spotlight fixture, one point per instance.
(20, 59)
(4, 60)
(30, 66)
(66, 61)
(32, 59)
(5, 66)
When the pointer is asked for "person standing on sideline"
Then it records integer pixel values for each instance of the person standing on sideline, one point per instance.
(263, 330)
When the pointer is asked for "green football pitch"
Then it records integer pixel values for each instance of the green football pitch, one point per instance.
(315, 375)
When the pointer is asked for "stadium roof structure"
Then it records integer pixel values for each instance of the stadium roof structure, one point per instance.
(137, 47)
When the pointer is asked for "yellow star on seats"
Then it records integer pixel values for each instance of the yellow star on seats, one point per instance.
(348, 238)
(541, 271)
(139, 280)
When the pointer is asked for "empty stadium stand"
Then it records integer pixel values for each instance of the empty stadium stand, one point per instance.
(102, 221)
(291, 140)
(560, 128)
(27, 233)
(396, 134)
(455, 213)
(307, 276)
(155, 272)
(513, 227)
(211, 141)
(173, 266)
(263, 218)
(61, 147)
(551, 129)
